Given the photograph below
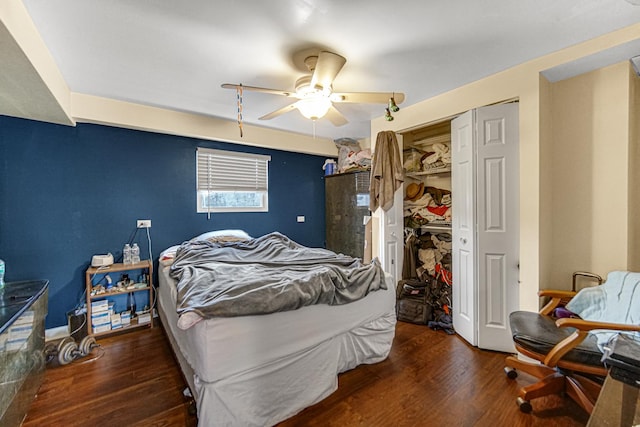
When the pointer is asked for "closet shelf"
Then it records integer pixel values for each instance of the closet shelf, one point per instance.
(437, 226)
(434, 171)
(435, 139)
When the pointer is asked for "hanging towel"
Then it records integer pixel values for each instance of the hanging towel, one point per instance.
(386, 174)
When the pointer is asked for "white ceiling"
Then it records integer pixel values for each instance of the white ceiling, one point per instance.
(176, 54)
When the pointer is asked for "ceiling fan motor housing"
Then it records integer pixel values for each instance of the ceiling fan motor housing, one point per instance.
(304, 89)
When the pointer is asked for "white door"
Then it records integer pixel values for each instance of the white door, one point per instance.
(393, 228)
(497, 210)
(463, 227)
(485, 243)
(390, 229)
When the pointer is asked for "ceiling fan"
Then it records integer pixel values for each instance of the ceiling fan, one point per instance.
(314, 92)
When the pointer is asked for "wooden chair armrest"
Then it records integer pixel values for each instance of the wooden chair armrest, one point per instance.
(553, 293)
(588, 325)
(557, 297)
(582, 330)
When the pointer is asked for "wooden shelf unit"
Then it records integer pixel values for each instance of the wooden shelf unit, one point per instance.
(116, 268)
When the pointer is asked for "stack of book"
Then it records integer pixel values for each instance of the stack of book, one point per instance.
(100, 318)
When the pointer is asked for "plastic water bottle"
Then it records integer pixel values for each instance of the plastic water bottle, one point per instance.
(126, 254)
(329, 167)
(135, 254)
(1, 276)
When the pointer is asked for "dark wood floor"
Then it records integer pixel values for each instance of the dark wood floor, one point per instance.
(131, 380)
(429, 379)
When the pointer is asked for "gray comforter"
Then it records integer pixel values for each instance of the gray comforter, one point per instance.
(265, 275)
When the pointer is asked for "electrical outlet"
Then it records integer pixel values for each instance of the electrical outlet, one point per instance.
(144, 223)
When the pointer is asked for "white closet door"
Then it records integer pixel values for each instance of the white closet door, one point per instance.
(392, 223)
(392, 231)
(463, 227)
(497, 161)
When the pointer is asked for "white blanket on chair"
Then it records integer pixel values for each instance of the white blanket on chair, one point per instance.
(617, 300)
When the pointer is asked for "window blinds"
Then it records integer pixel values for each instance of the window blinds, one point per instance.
(219, 170)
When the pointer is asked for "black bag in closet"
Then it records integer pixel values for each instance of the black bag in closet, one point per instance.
(412, 303)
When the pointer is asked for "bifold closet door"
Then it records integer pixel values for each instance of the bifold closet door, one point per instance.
(498, 228)
(485, 181)
(463, 227)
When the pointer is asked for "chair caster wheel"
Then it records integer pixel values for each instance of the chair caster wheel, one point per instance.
(524, 405)
(512, 374)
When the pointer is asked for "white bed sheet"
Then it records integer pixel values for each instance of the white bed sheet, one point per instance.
(260, 370)
(257, 340)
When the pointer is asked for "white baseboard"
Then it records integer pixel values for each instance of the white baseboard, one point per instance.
(56, 333)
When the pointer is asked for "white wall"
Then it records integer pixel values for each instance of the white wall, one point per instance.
(93, 109)
(634, 172)
(590, 194)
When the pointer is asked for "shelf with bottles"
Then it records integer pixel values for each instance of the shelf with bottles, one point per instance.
(108, 300)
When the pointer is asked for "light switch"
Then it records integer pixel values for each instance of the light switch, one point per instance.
(300, 218)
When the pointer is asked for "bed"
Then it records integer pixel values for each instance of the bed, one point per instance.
(260, 369)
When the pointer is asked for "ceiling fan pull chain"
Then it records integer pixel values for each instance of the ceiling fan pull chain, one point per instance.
(239, 96)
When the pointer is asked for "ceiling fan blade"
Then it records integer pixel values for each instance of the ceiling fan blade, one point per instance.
(259, 89)
(367, 97)
(327, 68)
(279, 112)
(336, 117)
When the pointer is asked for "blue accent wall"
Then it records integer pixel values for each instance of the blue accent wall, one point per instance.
(68, 193)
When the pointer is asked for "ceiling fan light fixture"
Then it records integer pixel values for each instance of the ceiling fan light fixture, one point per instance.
(314, 108)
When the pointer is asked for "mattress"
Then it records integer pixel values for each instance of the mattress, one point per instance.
(260, 370)
(253, 341)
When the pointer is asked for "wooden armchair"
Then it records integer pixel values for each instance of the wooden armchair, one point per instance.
(569, 357)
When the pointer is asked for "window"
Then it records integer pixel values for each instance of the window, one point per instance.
(228, 181)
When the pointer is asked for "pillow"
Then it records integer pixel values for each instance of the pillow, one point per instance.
(167, 256)
(188, 319)
(219, 236)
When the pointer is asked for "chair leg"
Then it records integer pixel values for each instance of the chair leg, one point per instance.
(551, 384)
(584, 391)
(535, 369)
